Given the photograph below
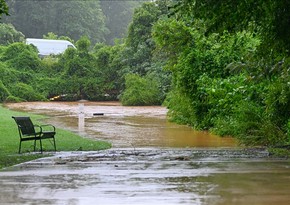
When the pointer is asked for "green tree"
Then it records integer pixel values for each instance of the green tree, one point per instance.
(80, 77)
(22, 57)
(109, 62)
(222, 53)
(64, 18)
(3, 8)
(270, 18)
(139, 56)
(53, 36)
(192, 55)
(8, 34)
(139, 43)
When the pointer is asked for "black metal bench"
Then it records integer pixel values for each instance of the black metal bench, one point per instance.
(28, 131)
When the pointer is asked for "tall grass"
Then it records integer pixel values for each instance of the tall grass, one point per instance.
(9, 140)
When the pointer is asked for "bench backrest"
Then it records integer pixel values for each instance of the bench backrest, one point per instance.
(25, 125)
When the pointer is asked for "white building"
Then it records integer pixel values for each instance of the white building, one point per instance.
(47, 47)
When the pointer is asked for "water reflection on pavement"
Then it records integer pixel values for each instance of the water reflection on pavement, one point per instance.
(166, 172)
(149, 176)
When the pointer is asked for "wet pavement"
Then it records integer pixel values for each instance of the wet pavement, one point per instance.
(149, 175)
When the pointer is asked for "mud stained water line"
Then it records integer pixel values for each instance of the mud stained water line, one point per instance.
(152, 162)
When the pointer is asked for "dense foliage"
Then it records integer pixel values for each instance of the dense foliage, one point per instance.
(270, 18)
(230, 65)
(76, 74)
(141, 91)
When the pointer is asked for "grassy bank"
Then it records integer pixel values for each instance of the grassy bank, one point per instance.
(9, 140)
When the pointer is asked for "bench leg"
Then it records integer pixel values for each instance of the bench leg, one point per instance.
(34, 145)
(19, 150)
(54, 144)
(40, 146)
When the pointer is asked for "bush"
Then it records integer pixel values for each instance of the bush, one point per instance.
(140, 91)
(4, 93)
(252, 125)
(13, 99)
(10, 75)
(22, 57)
(180, 108)
(278, 96)
(48, 87)
(26, 92)
(50, 66)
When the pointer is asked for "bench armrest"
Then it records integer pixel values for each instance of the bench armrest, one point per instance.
(48, 127)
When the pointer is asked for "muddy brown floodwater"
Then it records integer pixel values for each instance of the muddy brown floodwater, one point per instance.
(152, 161)
(124, 126)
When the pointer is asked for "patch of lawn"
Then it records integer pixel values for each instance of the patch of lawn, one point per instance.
(9, 140)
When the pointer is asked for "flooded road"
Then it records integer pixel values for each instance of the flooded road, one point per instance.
(149, 176)
(152, 162)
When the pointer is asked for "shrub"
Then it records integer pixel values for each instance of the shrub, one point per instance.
(21, 57)
(83, 44)
(180, 108)
(140, 91)
(10, 75)
(13, 99)
(26, 92)
(278, 96)
(4, 92)
(252, 125)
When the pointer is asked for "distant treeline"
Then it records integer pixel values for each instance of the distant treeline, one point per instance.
(101, 21)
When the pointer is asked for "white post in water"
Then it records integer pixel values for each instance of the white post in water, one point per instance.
(81, 116)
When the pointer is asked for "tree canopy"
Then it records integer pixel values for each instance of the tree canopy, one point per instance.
(101, 21)
(65, 18)
(271, 18)
(3, 8)
(9, 34)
